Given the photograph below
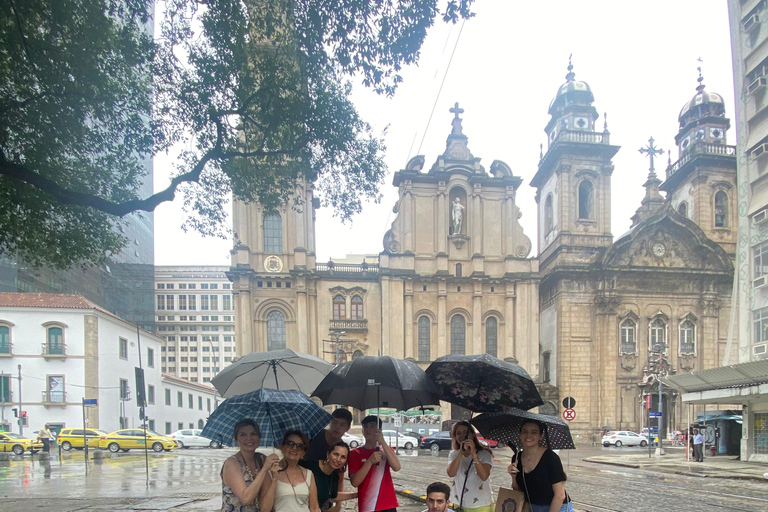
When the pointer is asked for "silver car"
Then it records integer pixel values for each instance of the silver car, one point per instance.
(188, 438)
(624, 438)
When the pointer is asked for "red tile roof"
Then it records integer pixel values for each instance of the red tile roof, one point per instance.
(47, 300)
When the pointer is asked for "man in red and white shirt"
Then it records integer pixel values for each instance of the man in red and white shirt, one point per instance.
(369, 470)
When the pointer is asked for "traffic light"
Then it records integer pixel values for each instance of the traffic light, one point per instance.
(15, 412)
(24, 414)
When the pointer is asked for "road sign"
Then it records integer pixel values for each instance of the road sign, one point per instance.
(569, 414)
(569, 402)
(90, 401)
(654, 414)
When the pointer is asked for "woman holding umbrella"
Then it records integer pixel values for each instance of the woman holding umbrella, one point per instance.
(329, 477)
(538, 472)
(470, 467)
(242, 475)
(292, 488)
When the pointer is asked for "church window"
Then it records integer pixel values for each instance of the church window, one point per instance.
(273, 233)
(275, 330)
(687, 338)
(586, 200)
(491, 336)
(424, 338)
(545, 365)
(658, 336)
(760, 260)
(682, 209)
(458, 335)
(628, 337)
(548, 215)
(721, 209)
(339, 308)
(356, 309)
(760, 319)
(458, 270)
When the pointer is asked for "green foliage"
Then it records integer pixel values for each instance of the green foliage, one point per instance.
(255, 91)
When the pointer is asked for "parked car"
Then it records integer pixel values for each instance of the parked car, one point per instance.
(397, 440)
(129, 438)
(73, 438)
(437, 441)
(18, 444)
(488, 443)
(188, 438)
(352, 441)
(624, 437)
(414, 435)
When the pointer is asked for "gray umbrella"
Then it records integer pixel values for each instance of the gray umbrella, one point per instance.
(277, 369)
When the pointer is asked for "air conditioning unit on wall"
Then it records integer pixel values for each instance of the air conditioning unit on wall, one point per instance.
(760, 351)
(760, 282)
(751, 23)
(757, 86)
(760, 216)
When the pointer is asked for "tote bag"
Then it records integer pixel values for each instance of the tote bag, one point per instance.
(510, 500)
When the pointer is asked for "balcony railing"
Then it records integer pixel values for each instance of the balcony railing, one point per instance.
(348, 268)
(6, 349)
(700, 148)
(54, 397)
(582, 136)
(350, 325)
(54, 350)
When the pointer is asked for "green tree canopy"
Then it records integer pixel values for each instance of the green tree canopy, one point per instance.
(256, 92)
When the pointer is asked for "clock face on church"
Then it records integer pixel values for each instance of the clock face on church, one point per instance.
(659, 249)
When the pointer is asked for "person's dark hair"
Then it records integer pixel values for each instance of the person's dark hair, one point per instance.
(372, 418)
(439, 487)
(342, 444)
(299, 434)
(245, 423)
(542, 429)
(470, 433)
(343, 414)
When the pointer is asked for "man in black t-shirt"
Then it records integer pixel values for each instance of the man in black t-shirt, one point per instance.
(340, 424)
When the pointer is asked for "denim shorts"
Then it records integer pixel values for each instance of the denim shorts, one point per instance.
(567, 507)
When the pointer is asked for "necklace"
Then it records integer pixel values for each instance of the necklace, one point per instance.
(248, 470)
(293, 488)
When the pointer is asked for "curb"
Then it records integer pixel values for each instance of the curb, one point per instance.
(729, 476)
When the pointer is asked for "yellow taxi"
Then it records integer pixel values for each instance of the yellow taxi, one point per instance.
(129, 438)
(10, 442)
(70, 438)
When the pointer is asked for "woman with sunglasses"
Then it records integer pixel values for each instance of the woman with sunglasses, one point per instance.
(243, 474)
(469, 464)
(292, 488)
(329, 477)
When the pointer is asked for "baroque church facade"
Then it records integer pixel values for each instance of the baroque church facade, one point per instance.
(590, 317)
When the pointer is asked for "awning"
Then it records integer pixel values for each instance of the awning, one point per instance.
(735, 384)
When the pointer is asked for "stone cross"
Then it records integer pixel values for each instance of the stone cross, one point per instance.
(651, 151)
(456, 110)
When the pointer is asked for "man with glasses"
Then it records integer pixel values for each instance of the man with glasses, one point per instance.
(369, 470)
(321, 443)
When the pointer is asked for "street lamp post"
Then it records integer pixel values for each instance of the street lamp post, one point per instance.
(339, 356)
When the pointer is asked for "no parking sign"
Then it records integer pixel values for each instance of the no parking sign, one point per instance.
(569, 414)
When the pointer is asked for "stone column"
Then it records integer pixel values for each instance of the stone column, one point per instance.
(386, 316)
(314, 344)
(442, 214)
(508, 348)
(245, 341)
(302, 318)
(477, 221)
(408, 321)
(442, 294)
(477, 320)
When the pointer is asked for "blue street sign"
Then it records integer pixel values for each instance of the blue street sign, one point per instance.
(655, 415)
(90, 401)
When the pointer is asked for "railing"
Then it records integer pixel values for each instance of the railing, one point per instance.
(6, 349)
(582, 136)
(350, 268)
(349, 325)
(700, 148)
(54, 397)
(59, 349)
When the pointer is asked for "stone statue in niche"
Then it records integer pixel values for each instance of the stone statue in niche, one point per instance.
(457, 215)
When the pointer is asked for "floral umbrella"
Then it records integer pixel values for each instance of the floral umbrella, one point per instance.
(483, 383)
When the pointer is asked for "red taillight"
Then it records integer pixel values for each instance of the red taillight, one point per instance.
(103, 437)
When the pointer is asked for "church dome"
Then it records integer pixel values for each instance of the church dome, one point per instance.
(714, 103)
(572, 91)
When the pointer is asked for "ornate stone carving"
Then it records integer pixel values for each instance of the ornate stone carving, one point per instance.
(390, 243)
(687, 362)
(458, 240)
(709, 305)
(607, 301)
(628, 362)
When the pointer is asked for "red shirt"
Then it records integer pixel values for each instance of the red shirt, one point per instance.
(377, 492)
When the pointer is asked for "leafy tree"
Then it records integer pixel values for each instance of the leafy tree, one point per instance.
(255, 91)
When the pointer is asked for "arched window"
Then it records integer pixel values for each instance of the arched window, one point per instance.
(55, 340)
(687, 337)
(5, 339)
(424, 338)
(273, 233)
(356, 309)
(458, 335)
(275, 330)
(339, 308)
(586, 200)
(491, 336)
(200, 424)
(458, 270)
(682, 209)
(628, 337)
(721, 209)
(548, 215)
(657, 338)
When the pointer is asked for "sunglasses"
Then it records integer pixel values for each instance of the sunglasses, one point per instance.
(298, 446)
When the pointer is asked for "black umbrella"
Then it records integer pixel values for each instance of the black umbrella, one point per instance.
(369, 382)
(483, 383)
(504, 427)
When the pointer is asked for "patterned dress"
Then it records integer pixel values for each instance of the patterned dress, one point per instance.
(229, 502)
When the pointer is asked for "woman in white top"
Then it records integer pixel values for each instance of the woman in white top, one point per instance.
(292, 488)
(469, 464)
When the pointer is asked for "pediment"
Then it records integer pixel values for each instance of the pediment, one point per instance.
(667, 240)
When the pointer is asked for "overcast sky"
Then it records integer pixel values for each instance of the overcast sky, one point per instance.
(639, 58)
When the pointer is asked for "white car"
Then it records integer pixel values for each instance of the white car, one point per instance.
(352, 441)
(397, 440)
(188, 438)
(624, 438)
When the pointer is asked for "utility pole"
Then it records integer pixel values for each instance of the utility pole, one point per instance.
(21, 414)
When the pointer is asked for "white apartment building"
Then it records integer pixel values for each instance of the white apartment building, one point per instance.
(195, 316)
(67, 349)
